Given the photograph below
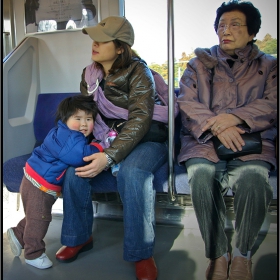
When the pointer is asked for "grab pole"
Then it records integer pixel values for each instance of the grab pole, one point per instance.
(171, 119)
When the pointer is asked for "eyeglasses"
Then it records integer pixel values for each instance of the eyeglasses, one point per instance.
(233, 26)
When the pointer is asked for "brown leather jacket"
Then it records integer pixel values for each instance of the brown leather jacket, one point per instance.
(133, 89)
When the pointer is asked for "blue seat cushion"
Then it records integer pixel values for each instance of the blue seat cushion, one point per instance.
(44, 119)
(13, 172)
(105, 182)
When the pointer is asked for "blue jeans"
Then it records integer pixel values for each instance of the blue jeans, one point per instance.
(135, 185)
(252, 194)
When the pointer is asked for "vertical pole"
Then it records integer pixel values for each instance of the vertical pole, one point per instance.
(99, 10)
(171, 121)
(122, 8)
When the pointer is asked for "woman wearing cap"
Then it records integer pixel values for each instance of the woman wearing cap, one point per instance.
(120, 77)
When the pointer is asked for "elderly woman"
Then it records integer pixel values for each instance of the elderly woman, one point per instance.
(225, 91)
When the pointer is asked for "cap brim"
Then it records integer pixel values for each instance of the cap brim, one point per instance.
(96, 34)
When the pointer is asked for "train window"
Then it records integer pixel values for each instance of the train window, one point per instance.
(54, 15)
(193, 27)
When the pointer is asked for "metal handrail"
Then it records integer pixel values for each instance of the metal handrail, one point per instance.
(171, 120)
(13, 50)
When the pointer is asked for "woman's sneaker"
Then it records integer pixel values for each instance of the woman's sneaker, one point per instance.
(41, 262)
(14, 243)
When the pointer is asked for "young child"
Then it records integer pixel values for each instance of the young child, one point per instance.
(65, 145)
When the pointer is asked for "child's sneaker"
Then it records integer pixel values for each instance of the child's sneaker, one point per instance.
(41, 262)
(14, 243)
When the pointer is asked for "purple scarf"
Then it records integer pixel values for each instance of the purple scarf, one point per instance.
(93, 76)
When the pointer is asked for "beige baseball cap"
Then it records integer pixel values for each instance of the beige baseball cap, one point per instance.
(111, 28)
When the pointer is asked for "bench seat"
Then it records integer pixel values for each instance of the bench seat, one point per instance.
(106, 183)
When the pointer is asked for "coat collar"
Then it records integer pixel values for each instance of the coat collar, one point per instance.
(210, 57)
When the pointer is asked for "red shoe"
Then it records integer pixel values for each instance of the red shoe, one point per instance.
(146, 269)
(69, 254)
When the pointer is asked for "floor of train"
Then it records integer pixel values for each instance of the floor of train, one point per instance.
(179, 250)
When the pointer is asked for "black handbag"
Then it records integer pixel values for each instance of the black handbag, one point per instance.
(253, 141)
(158, 131)
(253, 145)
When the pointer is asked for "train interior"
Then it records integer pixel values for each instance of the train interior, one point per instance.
(50, 64)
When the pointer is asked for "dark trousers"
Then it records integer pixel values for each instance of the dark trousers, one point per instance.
(252, 194)
(32, 229)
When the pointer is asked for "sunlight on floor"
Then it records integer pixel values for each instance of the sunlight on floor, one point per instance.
(11, 216)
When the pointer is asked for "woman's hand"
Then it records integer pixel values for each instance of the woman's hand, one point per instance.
(98, 163)
(221, 122)
(232, 139)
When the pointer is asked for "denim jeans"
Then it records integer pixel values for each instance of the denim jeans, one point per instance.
(252, 194)
(135, 185)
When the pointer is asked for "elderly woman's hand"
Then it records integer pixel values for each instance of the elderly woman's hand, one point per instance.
(221, 122)
(231, 138)
(98, 163)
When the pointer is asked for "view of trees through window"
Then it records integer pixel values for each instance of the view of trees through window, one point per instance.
(267, 45)
(193, 27)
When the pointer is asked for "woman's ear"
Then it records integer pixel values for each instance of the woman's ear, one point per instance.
(120, 50)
